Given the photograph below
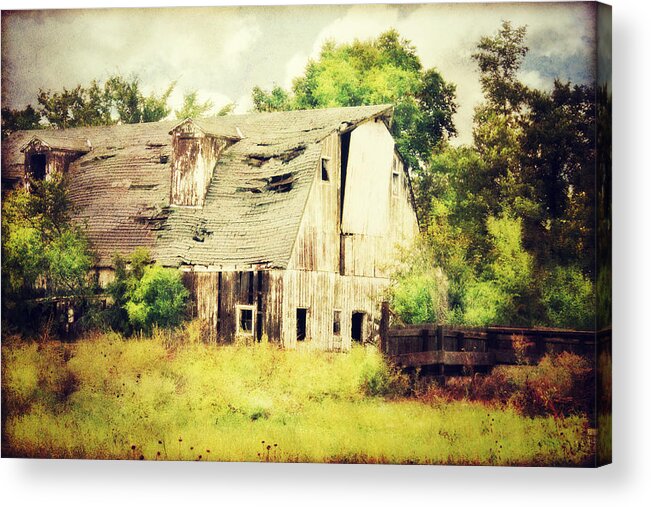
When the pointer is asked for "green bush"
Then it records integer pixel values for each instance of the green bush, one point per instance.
(419, 292)
(157, 299)
(568, 298)
(420, 297)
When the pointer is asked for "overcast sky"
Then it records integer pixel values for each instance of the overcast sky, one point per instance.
(223, 52)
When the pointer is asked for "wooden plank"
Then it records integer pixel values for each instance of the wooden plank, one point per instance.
(434, 357)
(468, 358)
(411, 331)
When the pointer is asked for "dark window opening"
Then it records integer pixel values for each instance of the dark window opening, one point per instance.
(245, 321)
(396, 183)
(258, 321)
(357, 328)
(219, 301)
(301, 324)
(336, 323)
(345, 148)
(325, 176)
(37, 165)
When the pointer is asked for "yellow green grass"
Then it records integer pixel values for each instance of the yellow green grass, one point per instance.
(110, 398)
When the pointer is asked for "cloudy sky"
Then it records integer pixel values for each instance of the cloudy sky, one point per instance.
(223, 52)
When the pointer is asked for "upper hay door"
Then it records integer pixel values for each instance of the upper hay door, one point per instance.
(45, 156)
(368, 178)
(195, 153)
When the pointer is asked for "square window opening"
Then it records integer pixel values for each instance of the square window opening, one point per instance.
(395, 183)
(245, 320)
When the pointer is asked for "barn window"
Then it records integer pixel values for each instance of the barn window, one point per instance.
(37, 163)
(301, 324)
(325, 169)
(357, 326)
(336, 323)
(245, 319)
(395, 178)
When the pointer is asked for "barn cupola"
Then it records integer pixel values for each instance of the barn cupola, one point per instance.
(196, 148)
(47, 154)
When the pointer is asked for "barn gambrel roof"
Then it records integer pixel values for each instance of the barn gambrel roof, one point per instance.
(254, 203)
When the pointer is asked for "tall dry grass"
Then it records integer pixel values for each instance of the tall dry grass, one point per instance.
(161, 399)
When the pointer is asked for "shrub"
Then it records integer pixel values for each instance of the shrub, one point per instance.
(568, 298)
(559, 385)
(157, 299)
(419, 292)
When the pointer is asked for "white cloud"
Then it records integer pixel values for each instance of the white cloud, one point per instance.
(219, 52)
(445, 36)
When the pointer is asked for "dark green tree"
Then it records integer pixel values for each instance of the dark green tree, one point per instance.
(118, 99)
(44, 251)
(382, 70)
(511, 220)
(23, 119)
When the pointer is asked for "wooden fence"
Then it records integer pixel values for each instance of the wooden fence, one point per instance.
(458, 350)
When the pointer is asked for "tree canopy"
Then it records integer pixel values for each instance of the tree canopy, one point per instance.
(511, 219)
(382, 70)
(117, 100)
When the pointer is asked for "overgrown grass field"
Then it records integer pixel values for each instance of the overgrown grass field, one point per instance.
(106, 397)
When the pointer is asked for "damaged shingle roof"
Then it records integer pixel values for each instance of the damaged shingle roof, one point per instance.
(254, 203)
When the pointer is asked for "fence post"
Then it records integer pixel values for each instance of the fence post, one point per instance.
(384, 328)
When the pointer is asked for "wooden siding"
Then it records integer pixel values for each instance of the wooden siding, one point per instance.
(216, 295)
(194, 156)
(321, 293)
(368, 181)
(330, 270)
(321, 245)
(317, 244)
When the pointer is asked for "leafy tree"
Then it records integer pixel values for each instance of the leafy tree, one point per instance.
(383, 70)
(25, 119)
(558, 161)
(531, 164)
(43, 252)
(227, 109)
(499, 59)
(569, 299)
(192, 108)
(119, 99)
(500, 295)
(277, 99)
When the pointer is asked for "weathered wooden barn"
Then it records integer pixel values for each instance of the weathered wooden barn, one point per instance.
(284, 224)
